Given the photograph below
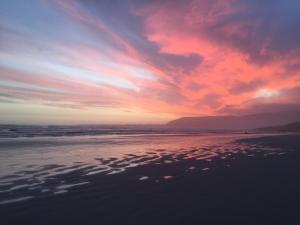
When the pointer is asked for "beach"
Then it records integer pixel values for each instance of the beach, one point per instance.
(152, 179)
(149, 112)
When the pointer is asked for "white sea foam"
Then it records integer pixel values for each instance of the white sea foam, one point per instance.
(66, 186)
(144, 178)
(13, 200)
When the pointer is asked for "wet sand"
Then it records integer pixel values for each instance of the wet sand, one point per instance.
(250, 187)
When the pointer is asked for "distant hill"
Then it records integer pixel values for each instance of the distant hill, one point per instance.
(236, 122)
(291, 127)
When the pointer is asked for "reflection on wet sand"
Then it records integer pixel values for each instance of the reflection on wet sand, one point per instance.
(29, 170)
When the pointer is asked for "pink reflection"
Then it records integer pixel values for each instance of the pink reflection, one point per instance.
(36, 161)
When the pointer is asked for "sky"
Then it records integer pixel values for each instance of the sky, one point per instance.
(130, 61)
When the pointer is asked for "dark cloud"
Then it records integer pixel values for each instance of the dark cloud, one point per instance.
(240, 87)
(292, 68)
(171, 94)
(264, 30)
(6, 95)
(119, 16)
(211, 100)
(263, 105)
(171, 63)
(259, 108)
(292, 94)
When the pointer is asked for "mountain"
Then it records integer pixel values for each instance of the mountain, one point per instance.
(291, 127)
(236, 122)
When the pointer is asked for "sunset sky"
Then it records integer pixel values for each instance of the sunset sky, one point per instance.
(129, 61)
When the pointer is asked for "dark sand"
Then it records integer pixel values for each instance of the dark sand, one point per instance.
(256, 190)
